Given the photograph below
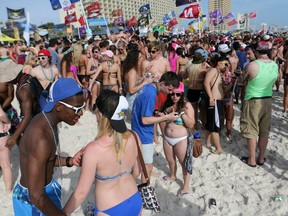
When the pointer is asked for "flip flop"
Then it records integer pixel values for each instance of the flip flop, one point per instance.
(261, 164)
(212, 202)
(245, 160)
(182, 194)
(167, 179)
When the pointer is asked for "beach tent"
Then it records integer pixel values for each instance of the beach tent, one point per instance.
(5, 38)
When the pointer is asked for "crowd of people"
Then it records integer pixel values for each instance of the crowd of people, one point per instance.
(159, 84)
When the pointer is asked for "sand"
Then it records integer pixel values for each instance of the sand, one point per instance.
(237, 188)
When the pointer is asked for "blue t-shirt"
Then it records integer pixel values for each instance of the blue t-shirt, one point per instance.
(144, 106)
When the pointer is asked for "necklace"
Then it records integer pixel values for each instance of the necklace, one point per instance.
(51, 74)
(57, 145)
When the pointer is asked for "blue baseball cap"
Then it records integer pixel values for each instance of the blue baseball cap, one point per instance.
(203, 52)
(61, 89)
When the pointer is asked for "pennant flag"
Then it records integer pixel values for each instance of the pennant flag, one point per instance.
(172, 23)
(143, 21)
(144, 9)
(184, 2)
(82, 21)
(233, 22)
(228, 16)
(173, 14)
(70, 18)
(82, 30)
(192, 11)
(58, 4)
(69, 7)
(93, 10)
(215, 14)
(132, 22)
(26, 33)
(15, 14)
(118, 21)
(117, 13)
(252, 15)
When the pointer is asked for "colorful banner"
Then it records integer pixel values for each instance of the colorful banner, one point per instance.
(118, 21)
(215, 14)
(70, 18)
(242, 21)
(82, 30)
(192, 11)
(252, 15)
(232, 22)
(184, 2)
(144, 9)
(132, 22)
(81, 20)
(172, 23)
(228, 16)
(58, 4)
(93, 10)
(15, 14)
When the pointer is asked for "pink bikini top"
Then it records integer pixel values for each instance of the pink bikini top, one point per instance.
(73, 69)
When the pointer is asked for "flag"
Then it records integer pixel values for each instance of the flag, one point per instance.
(192, 11)
(159, 28)
(57, 4)
(144, 9)
(82, 30)
(252, 15)
(228, 16)
(173, 14)
(26, 33)
(93, 10)
(132, 22)
(70, 18)
(15, 14)
(215, 14)
(172, 23)
(117, 13)
(167, 17)
(118, 21)
(193, 21)
(232, 22)
(81, 21)
(69, 7)
(241, 21)
(143, 21)
(184, 2)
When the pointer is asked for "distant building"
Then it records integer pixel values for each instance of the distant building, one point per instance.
(129, 7)
(226, 7)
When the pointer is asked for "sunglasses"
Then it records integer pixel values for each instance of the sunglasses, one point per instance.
(132, 41)
(153, 51)
(76, 109)
(95, 52)
(41, 58)
(176, 94)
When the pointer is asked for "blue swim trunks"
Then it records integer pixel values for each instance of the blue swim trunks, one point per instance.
(132, 207)
(22, 204)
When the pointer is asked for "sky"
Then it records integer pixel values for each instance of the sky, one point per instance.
(268, 11)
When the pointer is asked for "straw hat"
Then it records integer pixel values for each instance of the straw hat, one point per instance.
(9, 70)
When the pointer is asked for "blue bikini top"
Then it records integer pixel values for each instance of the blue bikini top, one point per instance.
(111, 178)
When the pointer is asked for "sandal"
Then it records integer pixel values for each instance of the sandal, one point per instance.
(245, 160)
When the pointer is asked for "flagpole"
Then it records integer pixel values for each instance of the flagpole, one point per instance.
(123, 18)
(86, 21)
(199, 24)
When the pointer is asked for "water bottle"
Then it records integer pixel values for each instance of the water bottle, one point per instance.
(196, 135)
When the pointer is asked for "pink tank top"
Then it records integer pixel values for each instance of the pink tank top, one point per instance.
(73, 69)
(173, 61)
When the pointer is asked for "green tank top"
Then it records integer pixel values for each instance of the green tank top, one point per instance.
(261, 85)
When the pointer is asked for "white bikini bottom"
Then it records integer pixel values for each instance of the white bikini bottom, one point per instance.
(173, 141)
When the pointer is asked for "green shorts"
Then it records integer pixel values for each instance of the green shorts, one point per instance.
(256, 118)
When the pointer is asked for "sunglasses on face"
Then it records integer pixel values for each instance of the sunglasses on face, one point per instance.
(41, 58)
(225, 63)
(76, 109)
(175, 94)
(95, 52)
(153, 51)
(132, 41)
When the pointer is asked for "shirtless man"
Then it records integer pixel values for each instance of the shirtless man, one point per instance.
(213, 84)
(45, 73)
(38, 192)
(157, 65)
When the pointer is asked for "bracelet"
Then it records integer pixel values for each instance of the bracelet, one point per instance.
(67, 162)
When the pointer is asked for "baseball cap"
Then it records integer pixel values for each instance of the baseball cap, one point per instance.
(97, 38)
(180, 88)
(198, 58)
(203, 53)
(113, 106)
(224, 48)
(61, 89)
(44, 52)
(263, 45)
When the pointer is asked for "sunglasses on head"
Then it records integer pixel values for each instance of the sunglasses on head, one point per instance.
(76, 109)
(41, 58)
(224, 63)
(175, 94)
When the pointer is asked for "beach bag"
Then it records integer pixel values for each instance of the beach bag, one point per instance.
(149, 198)
(188, 157)
(197, 148)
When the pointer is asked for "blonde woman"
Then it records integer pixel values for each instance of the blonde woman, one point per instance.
(5, 153)
(196, 71)
(30, 62)
(111, 161)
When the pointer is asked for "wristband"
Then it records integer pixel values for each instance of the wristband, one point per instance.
(67, 162)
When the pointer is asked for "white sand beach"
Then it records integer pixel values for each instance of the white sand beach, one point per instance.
(237, 188)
